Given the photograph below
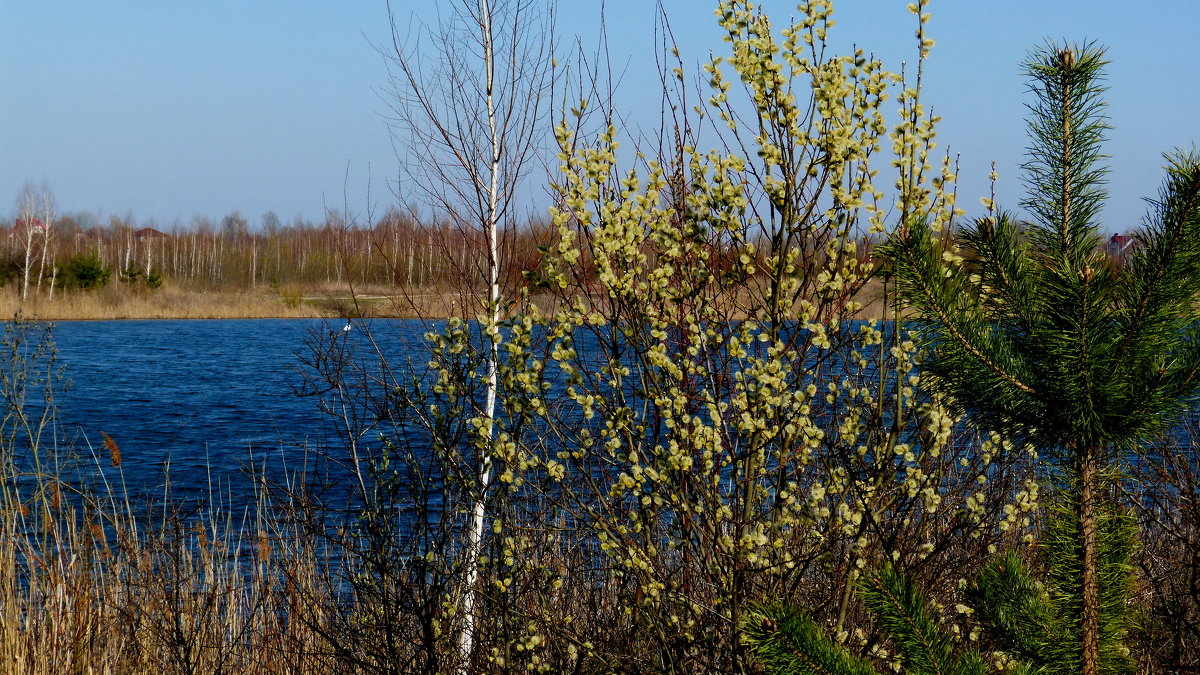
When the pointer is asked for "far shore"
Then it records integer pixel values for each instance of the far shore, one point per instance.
(118, 303)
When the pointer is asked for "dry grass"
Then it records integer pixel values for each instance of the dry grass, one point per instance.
(292, 302)
(115, 302)
(111, 592)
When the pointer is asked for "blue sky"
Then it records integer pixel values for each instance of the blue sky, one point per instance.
(164, 109)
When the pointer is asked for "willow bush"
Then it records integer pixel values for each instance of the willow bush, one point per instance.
(700, 422)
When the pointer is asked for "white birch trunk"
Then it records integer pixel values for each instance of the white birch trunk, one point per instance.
(492, 335)
(28, 255)
(45, 250)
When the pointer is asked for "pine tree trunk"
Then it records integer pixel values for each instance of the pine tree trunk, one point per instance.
(1089, 473)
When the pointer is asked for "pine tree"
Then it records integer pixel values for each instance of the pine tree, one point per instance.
(786, 642)
(1036, 620)
(1036, 332)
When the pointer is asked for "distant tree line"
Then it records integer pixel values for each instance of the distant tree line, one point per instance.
(83, 251)
(80, 251)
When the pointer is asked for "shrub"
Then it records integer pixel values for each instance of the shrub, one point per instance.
(10, 268)
(85, 272)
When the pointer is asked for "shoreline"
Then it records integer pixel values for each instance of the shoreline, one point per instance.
(121, 304)
(115, 303)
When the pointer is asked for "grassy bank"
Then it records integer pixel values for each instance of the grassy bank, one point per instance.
(165, 303)
(116, 302)
(314, 302)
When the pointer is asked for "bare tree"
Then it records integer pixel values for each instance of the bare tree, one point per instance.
(46, 204)
(469, 97)
(35, 214)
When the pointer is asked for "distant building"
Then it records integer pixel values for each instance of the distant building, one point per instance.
(150, 233)
(1120, 245)
(22, 225)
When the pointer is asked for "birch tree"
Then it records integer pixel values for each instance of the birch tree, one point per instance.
(468, 99)
(35, 209)
(46, 213)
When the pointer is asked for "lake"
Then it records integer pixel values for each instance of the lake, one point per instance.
(206, 398)
(210, 398)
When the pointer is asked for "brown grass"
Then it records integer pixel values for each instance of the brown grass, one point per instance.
(167, 303)
(291, 302)
(117, 302)
(123, 594)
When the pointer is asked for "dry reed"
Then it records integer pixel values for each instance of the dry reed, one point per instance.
(115, 302)
(322, 301)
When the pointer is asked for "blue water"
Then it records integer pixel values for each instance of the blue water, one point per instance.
(200, 406)
(197, 405)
